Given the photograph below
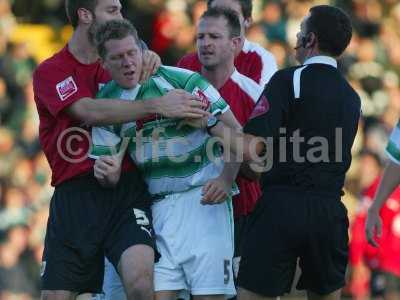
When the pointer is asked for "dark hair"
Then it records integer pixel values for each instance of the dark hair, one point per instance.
(332, 26)
(114, 30)
(72, 6)
(245, 5)
(230, 16)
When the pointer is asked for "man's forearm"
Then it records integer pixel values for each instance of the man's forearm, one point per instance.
(231, 168)
(174, 104)
(113, 111)
(238, 142)
(390, 180)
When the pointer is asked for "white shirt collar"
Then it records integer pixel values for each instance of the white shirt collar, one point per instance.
(321, 59)
(131, 93)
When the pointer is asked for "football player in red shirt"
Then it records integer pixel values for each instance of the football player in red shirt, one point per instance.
(251, 59)
(87, 220)
(218, 37)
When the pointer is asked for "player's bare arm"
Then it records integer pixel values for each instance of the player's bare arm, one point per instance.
(175, 104)
(251, 146)
(217, 190)
(390, 180)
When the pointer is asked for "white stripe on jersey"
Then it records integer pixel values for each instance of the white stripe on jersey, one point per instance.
(296, 82)
(162, 83)
(249, 86)
(130, 94)
(269, 66)
(176, 69)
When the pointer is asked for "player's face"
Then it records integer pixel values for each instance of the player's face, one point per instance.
(124, 61)
(301, 52)
(105, 10)
(214, 44)
(233, 5)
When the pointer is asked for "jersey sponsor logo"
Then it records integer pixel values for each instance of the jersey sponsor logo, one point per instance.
(262, 106)
(203, 98)
(66, 88)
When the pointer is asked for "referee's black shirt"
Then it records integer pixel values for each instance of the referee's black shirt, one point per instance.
(311, 102)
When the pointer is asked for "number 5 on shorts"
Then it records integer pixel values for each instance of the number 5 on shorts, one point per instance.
(227, 273)
(141, 218)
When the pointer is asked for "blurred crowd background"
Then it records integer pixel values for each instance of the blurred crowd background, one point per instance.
(31, 31)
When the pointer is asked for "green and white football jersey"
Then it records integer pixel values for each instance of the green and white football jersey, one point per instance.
(171, 159)
(393, 147)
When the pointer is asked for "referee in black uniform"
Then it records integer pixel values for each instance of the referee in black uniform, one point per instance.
(310, 113)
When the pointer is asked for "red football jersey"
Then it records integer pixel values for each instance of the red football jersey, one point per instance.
(242, 93)
(58, 82)
(253, 61)
(386, 256)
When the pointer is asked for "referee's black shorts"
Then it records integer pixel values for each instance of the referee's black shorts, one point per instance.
(88, 221)
(291, 224)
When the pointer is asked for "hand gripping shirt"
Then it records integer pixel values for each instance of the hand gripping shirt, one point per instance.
(171, 159)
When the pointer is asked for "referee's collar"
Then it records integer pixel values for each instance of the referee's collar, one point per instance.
(321, 59)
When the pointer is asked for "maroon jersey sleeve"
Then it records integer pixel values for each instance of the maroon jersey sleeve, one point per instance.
(56, 89)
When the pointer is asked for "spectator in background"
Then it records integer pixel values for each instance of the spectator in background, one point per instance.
(367, 17)
(279, 51)
(15, 278)
(368, 72)
(16, 67)
(8, 153)
(5, 102)
(273, 22)
(7, 19)
(295, 11)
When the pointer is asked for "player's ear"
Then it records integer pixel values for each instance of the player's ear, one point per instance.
(236, 42)
(247, 23)
(311, 40)
(85, 16)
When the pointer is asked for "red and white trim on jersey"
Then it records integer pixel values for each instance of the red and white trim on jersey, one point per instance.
(252, 89)
(267, 60)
